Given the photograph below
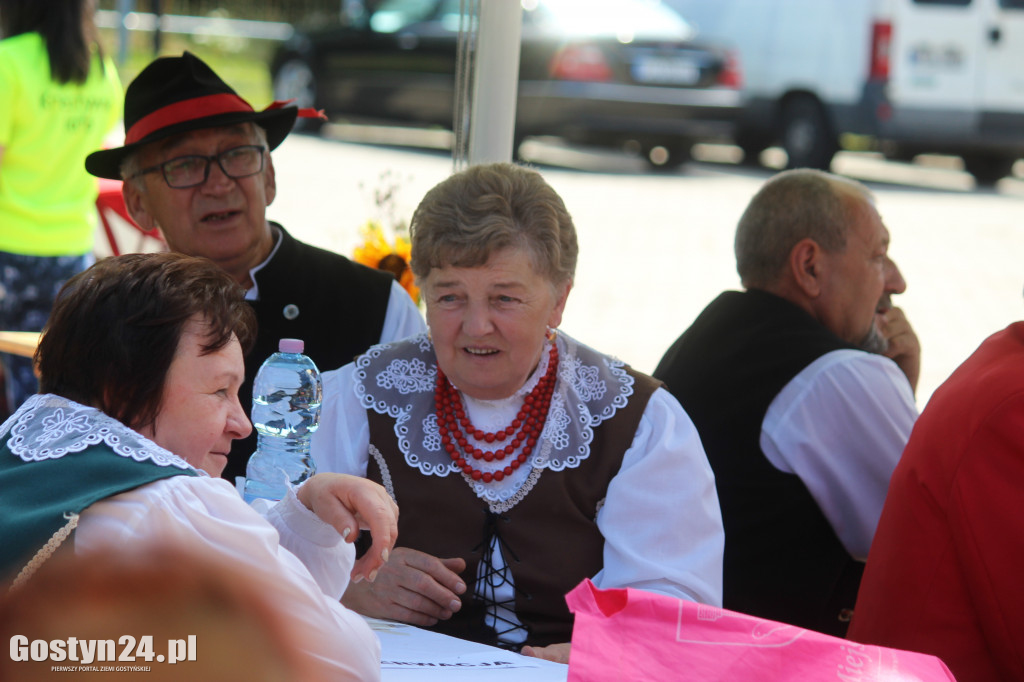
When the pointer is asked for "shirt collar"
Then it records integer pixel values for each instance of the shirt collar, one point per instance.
(253, 293)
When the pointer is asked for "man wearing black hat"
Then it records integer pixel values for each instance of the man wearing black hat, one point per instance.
(196, 164)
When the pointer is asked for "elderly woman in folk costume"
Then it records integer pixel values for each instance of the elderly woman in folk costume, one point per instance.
(523, 461)
(140, 366)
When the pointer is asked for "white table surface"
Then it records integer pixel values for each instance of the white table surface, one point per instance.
(411, 654)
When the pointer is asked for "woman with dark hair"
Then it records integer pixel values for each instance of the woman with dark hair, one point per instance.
(60, 98)
(140, 366)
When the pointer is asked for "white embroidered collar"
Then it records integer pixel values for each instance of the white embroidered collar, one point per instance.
(399, 380)
(50, 427)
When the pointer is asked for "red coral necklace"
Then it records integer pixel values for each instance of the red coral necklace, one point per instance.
(529, 422)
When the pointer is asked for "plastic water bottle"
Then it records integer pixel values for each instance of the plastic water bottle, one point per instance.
(286, 398)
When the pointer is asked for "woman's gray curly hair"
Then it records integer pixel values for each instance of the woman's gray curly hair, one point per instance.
(469, 216)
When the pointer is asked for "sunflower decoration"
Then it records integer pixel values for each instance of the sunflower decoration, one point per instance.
(376, 250)
(393, 257)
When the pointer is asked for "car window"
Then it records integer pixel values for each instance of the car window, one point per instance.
(450, 14)
(1011, 4)
(960, 3)
(622, 18)
(394, 15)
(449, 7)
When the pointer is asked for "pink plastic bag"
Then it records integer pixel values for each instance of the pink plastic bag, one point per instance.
(627, 634)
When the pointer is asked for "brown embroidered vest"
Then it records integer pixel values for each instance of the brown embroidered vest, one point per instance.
(550, 536)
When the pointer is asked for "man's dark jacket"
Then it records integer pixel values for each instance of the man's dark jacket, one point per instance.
(335, 306)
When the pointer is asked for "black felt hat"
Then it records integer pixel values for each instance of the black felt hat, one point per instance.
(178, 94)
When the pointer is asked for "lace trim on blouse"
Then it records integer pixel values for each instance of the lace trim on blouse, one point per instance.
(398, 380)
(50, 427)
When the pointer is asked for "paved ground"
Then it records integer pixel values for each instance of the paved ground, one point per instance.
(656, 248)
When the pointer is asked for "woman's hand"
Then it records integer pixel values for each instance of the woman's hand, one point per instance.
(351, 504)
(413, 587)
(559, 653)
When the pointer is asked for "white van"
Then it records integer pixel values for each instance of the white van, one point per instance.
(918, 76)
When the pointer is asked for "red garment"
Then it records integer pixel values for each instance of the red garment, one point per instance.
(945, 574)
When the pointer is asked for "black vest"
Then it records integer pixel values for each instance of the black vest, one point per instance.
(783, 561)
(335, 306)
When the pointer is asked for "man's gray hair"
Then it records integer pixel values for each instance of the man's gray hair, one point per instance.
(793, 205)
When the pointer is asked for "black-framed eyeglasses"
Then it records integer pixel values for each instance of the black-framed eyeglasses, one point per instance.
(193, 170)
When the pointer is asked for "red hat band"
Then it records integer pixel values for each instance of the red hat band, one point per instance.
(186, 110)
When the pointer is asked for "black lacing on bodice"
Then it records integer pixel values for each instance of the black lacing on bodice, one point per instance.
(489, 580)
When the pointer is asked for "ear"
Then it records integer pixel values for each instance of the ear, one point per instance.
(807, 267)
(269, 180)
(561, 296)
(135, 202)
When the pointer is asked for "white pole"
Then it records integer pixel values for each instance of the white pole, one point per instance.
(496, 81)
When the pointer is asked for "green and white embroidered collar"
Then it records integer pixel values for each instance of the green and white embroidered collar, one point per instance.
(49, 427)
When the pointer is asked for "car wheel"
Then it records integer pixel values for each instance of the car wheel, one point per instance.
(807, 136)
(294, 79)
(988, 168)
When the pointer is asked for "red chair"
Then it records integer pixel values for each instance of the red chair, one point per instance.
(110, 201)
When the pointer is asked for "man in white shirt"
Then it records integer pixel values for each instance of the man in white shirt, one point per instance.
(802, 390)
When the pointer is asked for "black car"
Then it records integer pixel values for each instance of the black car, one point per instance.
(599, 72)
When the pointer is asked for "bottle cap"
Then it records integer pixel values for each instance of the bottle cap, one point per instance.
(290, 345)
